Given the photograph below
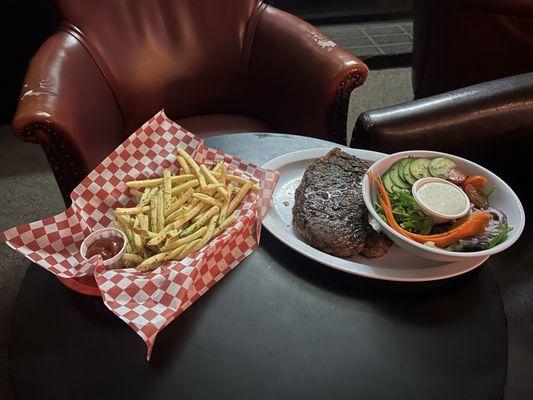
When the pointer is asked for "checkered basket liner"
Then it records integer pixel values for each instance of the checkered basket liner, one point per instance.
(146, 302)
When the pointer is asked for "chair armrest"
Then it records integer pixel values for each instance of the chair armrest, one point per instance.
(300, 80)
(67, 106)
(490, 123)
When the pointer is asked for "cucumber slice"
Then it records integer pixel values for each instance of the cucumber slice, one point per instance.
(399, 189)
(401, 166)
(395, 177)
(440, 167)
(387, 182)
(408, 176)
(419, 168)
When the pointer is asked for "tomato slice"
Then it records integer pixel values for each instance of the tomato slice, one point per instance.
(476, 180)
(476, 196)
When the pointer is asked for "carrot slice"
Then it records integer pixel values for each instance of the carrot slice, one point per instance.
(475, 225)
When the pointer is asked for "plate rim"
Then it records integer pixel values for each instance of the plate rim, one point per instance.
(313, 153)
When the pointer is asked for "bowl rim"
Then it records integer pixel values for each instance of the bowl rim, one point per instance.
(366, 189)
(98, 232)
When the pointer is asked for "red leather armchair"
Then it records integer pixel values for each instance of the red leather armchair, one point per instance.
(215, 66)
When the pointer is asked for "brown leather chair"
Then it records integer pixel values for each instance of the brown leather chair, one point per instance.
(490, 123)
(215, 66)
(458, 43)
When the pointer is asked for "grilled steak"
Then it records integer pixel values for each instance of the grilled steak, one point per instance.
(329, 211)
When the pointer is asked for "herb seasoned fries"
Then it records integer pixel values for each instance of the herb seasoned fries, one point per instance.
(177, 215)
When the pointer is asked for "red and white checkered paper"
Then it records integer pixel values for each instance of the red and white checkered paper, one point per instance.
(146, 302)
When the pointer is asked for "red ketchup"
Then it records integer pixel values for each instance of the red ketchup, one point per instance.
(107, 247)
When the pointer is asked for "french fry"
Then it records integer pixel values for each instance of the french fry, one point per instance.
(136, 193)
(143, 221)
(178, 215)
(181, 188)
(132, 210)
(201, 222)
(131, 260)
(137, 239)
(173, 233)
(184, 168)
(203, 182)
(212, 179)
(174, 254)
(195, 201)
(212, 186)
(238, 179)
(190, 161)
(216, 167)
(187, 249)
(223, 173)
(176, 224)
(143, 226)
(167, 189)
(183, 210)
(145, 198)
(179, 202)
(238, 198)
(227, 222)
(208, 234)
(225, 205)
(146, 183)
(151, 263)
(187, 216)
(145, 233)
(174, 244)
(153, 211)
(120, 227)
(194, 167)
(207, 199)
(125, 222)
(160, 211)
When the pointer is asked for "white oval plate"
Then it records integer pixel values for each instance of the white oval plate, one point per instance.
(396, 265)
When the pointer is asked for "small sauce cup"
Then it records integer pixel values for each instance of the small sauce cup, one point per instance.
(437, 216)
(116, 260)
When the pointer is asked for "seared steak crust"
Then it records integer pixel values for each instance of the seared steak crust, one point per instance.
(329, 212)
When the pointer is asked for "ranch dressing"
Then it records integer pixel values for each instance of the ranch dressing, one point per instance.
(442, 198)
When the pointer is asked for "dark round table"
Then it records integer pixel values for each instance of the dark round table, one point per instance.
(278, 326)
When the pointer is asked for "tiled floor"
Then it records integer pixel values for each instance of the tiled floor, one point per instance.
(367, 40)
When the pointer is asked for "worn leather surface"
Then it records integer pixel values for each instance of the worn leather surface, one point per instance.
(490, 123)
(459, 43)
(67, 106)
(115, 63)
(306, 99)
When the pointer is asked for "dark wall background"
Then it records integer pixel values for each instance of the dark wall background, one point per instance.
(326, 11)
(24, 26)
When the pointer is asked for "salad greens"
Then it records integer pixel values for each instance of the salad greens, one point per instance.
(407, 213)
(396, 184)
(503, 229)
(489, 192)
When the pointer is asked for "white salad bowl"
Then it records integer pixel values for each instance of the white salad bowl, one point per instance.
(503, 198)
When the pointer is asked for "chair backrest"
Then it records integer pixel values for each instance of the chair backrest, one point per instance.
(185, 55)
